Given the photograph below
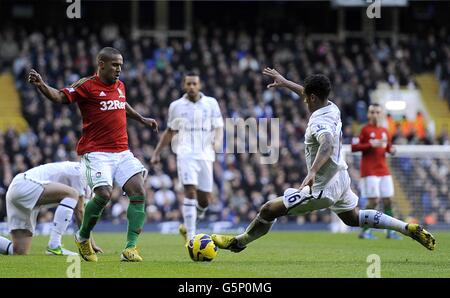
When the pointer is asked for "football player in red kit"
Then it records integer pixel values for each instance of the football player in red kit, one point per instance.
(376, 180)
(103, 147)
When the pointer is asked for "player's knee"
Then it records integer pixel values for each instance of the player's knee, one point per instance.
(136, 191)
(190, 191)
(104, 192)
(351, 222)
(204, 198)
(203, 203)
(19, 250)
(72, 193)
(349, 219)
(268, 211)
(135, 186)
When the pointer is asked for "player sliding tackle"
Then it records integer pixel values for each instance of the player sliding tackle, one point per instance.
(327, 184)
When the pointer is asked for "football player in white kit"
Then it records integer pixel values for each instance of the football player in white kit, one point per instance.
(196, 126)
(59, 183)
(327, 184)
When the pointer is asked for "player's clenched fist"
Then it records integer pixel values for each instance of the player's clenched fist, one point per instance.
(35, 78)
(150, 123)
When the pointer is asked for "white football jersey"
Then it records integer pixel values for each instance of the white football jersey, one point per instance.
(325, 120)
(66, 172)
(195, 124)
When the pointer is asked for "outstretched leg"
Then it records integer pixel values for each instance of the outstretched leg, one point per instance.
(379, 220)
(260, 226)
(293, 202)
(388, 210)
(366, 233)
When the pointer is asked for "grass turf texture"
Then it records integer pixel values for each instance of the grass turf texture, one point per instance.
(279, 254)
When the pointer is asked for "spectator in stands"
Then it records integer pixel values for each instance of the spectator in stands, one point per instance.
(231, 61)
(406, 128)
(391, 125)
(419, 126)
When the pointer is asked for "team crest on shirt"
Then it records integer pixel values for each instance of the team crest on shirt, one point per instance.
(320, 127)
(121, 95)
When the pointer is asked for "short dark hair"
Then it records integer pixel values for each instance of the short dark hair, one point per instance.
(375, 104)
(107, 54)
(191, 74)
(319, 85)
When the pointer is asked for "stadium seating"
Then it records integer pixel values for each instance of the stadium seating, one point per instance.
(230, 64)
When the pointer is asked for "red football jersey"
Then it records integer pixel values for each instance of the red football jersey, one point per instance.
(104, 116)
(373, 162)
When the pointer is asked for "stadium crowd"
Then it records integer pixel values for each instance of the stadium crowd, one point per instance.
(230, 64)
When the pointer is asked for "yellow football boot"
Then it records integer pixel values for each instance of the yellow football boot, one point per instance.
(86, 251)
(422, 236)
(227, 242)
(130, 254)
(183, 232)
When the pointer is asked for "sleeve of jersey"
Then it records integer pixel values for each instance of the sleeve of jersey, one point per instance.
(171, 120)
(217, 120)
(319, 129)
(362, 145)
(75, 94)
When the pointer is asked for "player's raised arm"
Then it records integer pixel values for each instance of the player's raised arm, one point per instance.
(133, 114)
(323, 154)
(51, 93)
(280, 81)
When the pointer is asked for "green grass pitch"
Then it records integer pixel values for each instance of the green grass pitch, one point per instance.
(279, 254)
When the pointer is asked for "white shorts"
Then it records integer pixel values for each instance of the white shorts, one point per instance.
(337, 195)
(104, 168)
(21, 198)
(377, 187)
(196, 172)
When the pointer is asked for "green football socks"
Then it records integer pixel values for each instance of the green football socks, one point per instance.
(136, 219)
(92, 213)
